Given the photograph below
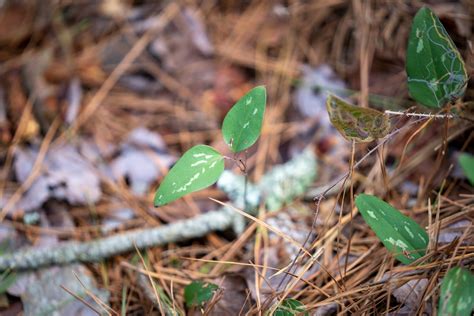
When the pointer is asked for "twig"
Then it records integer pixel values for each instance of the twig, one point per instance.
(77, 297)
(148, 287)
(427, 115)
(152, 284)
(143, 281)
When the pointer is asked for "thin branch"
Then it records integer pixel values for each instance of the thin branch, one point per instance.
(424, 115)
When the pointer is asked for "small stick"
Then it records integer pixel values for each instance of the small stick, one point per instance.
(428, 115)
(106, 247)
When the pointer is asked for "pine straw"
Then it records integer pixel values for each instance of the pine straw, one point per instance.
(364, 41)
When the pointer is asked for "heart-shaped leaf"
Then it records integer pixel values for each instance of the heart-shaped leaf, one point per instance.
(197, 169)
(457, 293)
(357, 123)
(242, 124)
(291, 307)
(197, 293)
(435, 69)
(467, 164)
(399, 234)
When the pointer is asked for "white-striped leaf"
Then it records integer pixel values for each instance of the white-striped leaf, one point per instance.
(399, 233)
(435, 68)
(242, 124)
(197, 169)
(457, 293)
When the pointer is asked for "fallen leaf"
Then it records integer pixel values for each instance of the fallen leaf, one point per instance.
(453, 231)
(65, 175)
(357, 123)
(141, 160)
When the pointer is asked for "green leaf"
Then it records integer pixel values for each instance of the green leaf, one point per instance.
(467, 164)
(457, 293)
(399, 234)
(242, 124)
(197, 293)
(290, 307)
(197, 169)
(435, 69)
(357, 123)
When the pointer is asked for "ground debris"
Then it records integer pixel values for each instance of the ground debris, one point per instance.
(125, 87)
(64, 175)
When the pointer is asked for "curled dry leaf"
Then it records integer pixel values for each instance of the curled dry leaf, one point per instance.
(357, 123)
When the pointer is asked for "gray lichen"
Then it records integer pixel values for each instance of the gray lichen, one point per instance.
(233, 185)
(285, 182)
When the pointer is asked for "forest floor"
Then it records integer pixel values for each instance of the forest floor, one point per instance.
(99, 99)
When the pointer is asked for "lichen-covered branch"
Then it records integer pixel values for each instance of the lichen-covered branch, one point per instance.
(281, 184)
(105, 247)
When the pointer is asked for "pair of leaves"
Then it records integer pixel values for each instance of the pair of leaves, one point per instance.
(201, 166)
(457, 293)
(357, 123)
(400, 234)
(435, 69)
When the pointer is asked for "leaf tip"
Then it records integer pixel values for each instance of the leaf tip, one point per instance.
(157, 200)
(361, 196)
(424, 9)
(263, 90)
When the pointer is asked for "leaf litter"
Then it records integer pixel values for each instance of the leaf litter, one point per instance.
(174, 96)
